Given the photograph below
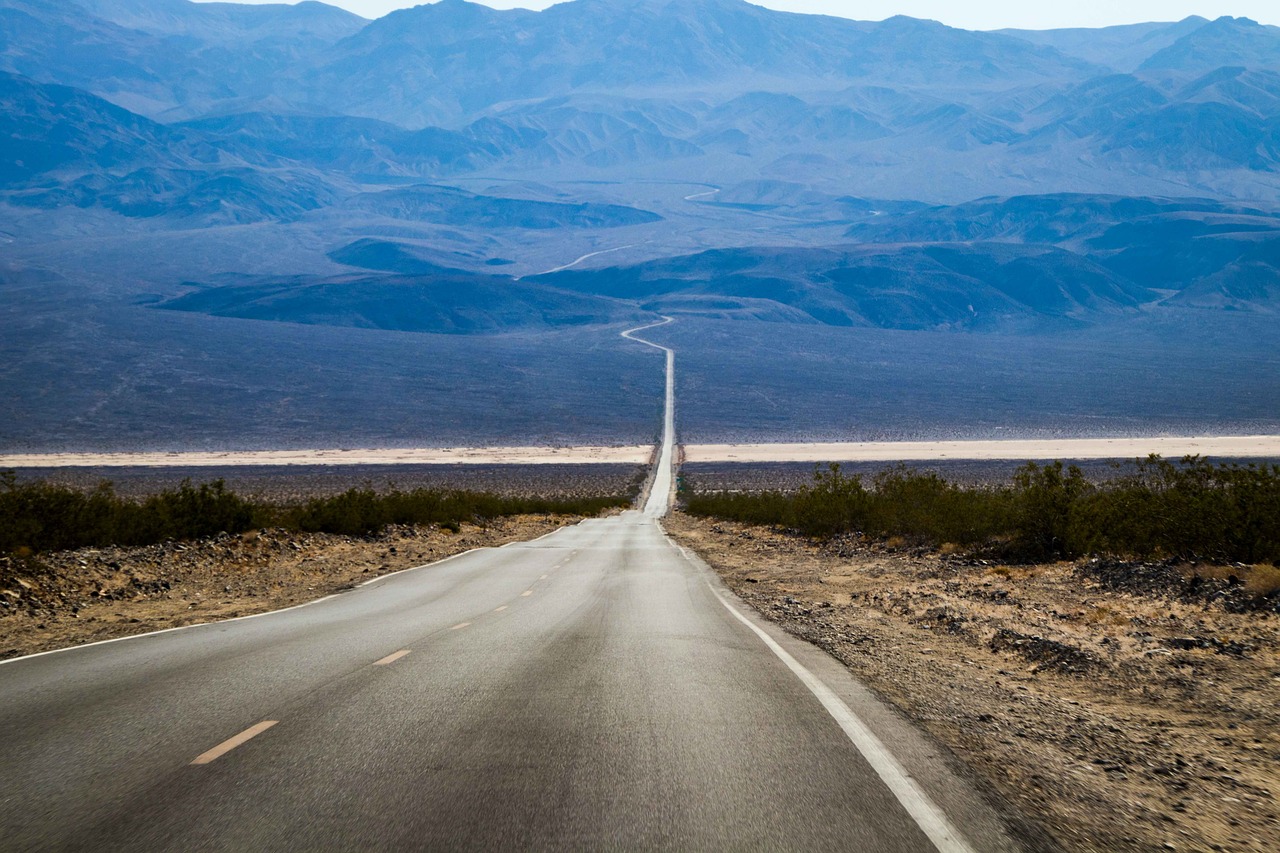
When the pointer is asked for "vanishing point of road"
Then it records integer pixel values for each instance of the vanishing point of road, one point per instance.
(592, 689)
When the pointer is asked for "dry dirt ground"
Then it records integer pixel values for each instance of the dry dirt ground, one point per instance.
(1103, 710)
(74, 597)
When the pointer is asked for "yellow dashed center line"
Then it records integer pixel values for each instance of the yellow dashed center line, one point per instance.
(500, 609)
(544, 577)
(231, 743)
(391, 658)
(527, 592)
(459, 625)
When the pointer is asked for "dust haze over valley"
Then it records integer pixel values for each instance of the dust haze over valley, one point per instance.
(239, 227)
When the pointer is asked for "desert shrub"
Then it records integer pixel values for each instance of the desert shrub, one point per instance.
(188, 512)
(834, 503)
(1043, 501)
(1191, 508)
(40, 516)
(46, 517)
(358, 512)
(900, 502)
(926, 507)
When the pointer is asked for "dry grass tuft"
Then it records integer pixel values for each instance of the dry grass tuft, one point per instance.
(1263, 580)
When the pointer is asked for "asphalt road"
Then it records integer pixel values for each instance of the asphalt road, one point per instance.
(593, 689)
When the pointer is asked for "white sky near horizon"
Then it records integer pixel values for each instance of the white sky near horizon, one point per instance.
(972, 15)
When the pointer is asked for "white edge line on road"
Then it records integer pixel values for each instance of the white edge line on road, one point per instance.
(242, 618)
(268, 612)
(372, 581)
(536, 539)
(168, 630)
(931, 819)
(923, 811)
(231, 743)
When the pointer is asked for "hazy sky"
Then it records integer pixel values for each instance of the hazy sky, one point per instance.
(974, 14)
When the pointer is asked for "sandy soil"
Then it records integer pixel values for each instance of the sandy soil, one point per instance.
(93, 594)
(1255, 446)
(638, 455)
(1102, 708)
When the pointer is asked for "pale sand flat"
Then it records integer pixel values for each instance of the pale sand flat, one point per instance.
(1171, 447)
(1230, 447)
(634, 455)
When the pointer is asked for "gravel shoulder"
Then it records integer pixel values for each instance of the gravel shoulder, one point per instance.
(1114, 706)
(91, 594)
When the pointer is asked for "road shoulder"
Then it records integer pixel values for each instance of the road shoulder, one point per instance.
(93, 594)
(949, 783)
(1146, 747)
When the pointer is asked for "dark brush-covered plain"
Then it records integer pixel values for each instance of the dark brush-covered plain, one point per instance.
(240, 226)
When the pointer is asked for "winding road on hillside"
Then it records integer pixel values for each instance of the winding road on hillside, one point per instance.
(595, 688)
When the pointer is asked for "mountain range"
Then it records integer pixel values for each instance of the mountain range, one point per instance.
(707, 89)
(456, 169)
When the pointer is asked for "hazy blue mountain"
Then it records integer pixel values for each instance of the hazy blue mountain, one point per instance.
(908, 50)
(1193, 245)
(1096, 105)
(715, 91)
(54, 42)
(169, 58)
(307, 113)
(189, 198)
(1196, 136)
(1224, 42)
(599, 131)
(308, 23)
(786, 119)
(445, 302)
(1123, 48)
(46, 128)
(452, 206)
(1255, 90)
(356, 146)
(1249, 282)
(63, 148)
(984, 287)
(1069, 219)
(434, 63)
(390, 256)
(974, 286)
(819, 200)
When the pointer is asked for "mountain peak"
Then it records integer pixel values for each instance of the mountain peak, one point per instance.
(1239, 22)
(1222, 42)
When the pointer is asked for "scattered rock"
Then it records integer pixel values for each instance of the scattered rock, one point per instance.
(1047, 653)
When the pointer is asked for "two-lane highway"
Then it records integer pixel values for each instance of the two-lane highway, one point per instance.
(595, 688)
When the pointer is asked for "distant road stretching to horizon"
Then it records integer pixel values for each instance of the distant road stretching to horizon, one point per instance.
(594, 688)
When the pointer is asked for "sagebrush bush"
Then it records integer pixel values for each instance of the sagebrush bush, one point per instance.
(45, 517)
(362, 511)
(41, 516)
(1192, 508)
